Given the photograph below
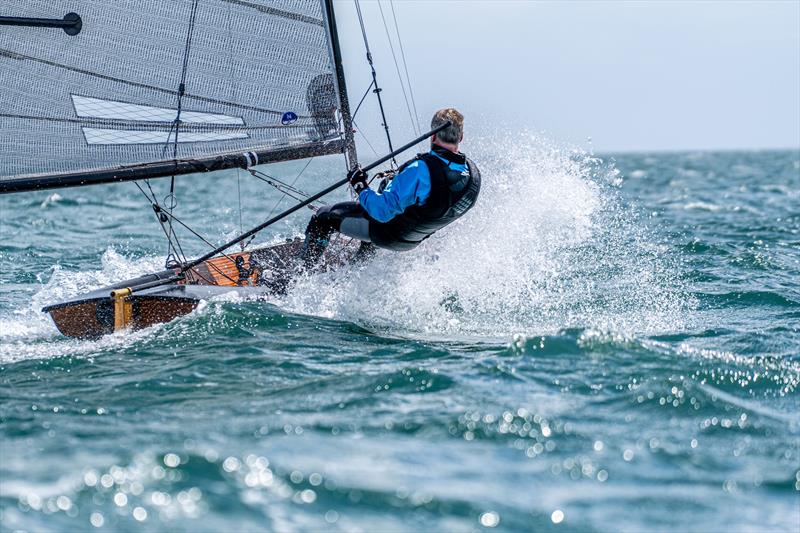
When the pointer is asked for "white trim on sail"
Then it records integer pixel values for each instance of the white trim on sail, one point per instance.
(100, 136)
(88, 107)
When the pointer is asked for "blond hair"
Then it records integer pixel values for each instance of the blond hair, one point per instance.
(455, 131)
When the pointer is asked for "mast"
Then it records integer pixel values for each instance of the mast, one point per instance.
(347, 120)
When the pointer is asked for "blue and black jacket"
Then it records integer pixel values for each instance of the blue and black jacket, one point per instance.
(428, 193)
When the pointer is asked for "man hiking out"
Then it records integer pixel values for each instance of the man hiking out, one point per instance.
(427, 193)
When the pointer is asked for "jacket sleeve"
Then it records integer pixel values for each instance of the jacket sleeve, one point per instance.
(410, 187)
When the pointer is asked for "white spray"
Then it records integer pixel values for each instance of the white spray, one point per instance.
(549, 246)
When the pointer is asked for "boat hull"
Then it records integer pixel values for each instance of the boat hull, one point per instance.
(260, 272)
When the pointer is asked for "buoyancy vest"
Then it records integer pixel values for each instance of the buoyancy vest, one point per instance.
(453, 193)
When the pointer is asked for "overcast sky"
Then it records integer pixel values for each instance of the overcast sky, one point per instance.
(638, 75)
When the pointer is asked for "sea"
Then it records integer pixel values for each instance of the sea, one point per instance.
(606, 342)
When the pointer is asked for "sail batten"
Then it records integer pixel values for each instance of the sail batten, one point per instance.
(262, 77)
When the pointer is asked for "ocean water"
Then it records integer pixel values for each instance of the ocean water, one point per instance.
(605, 343)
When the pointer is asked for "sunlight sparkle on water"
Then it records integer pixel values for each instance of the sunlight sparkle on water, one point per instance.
(490, 519)
(140, 514)
(97, 519)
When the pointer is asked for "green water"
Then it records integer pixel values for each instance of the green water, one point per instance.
(603, 344)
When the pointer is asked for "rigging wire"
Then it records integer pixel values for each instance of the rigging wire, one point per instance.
(377, 90)
(353, 120)
(366, 139)
(283, 196)
(397, 68)
(361, 101)
(405, 65)
(239, 194)
(285, 188)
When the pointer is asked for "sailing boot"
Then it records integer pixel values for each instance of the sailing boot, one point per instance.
(318, 234)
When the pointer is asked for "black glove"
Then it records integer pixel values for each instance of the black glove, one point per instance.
(358, 179)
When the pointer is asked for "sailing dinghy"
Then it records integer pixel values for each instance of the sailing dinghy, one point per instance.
(98, 92)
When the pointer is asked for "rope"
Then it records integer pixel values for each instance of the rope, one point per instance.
(397, 68)
(158, 210)
(168, 234)
(184, 69)
(175, 249)
(210, 244)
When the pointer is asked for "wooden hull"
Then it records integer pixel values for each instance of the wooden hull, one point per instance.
(260, 272)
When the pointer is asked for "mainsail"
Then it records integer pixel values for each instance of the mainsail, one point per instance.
(150, 88)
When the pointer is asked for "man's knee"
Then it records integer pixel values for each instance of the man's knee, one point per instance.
(329, 217)
(323, 222)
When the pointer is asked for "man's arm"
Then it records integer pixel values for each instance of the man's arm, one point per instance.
(411, 186)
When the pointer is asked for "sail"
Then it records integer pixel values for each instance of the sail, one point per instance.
(145, 88)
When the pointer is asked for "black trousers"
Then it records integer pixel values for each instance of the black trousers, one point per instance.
(348, 218)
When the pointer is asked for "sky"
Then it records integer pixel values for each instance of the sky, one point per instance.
(630, 76)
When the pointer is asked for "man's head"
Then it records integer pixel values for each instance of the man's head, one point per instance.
(452, 135)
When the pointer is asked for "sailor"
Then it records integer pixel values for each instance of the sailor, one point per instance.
(426, 194)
